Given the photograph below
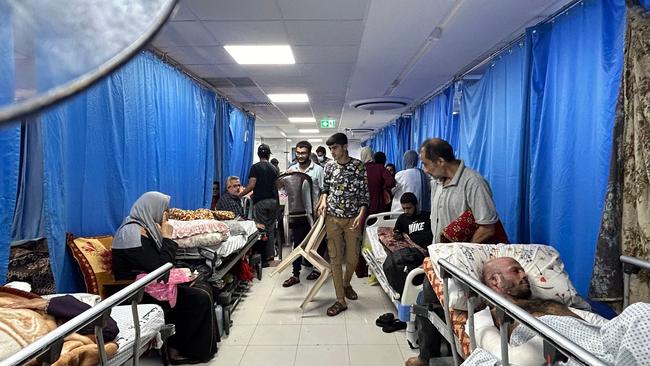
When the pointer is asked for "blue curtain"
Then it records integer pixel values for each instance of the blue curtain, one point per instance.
(145, 127)
(9, 141)
(241, 138)
(576, 65)
(435, 118)
(645, 4)
(491, 114)
(393, 140)
(234, 141)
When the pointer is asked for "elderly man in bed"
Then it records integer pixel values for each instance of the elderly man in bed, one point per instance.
(615, 341)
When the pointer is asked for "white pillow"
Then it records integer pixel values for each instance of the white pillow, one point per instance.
(542, 263)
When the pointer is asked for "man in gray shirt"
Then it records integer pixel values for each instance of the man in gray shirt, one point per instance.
(456, 189)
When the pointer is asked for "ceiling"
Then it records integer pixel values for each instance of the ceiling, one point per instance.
(345, 50)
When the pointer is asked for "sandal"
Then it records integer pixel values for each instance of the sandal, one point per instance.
(394, 326)
(336, 309)
(313, 275)
(293, 280)
(385, 319)
(350, 293)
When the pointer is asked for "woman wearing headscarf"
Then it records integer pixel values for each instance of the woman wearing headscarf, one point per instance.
(143, 243)
(412, 179)
(379, 180)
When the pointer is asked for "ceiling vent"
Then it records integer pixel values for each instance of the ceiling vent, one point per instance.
(381, 104)
(257, 104)
(231, 82)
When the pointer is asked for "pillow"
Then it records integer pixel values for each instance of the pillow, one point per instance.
(94, 260)
(542, 263)
(464, 226)
(236, 228)
(209, 239)
(186, 229)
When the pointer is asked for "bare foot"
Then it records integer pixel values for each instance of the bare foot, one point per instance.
(414, 361)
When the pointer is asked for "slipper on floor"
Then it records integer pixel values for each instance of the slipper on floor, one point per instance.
(394, 326)
(293, 280)
(385, 319)
(313, 275)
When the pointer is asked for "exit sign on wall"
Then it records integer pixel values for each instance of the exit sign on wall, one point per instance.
(327, 123)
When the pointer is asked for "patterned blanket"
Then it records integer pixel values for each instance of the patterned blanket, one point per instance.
(20, 327)
(621, 341)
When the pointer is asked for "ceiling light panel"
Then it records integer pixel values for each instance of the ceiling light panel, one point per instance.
(302, 119)
(315, 140)
(288, 98)
(261, 55)
(309, 130)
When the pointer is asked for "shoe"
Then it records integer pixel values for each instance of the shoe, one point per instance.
(385, 319)
(336, 309)
(293, 280)
(394, 326)
(350, 293)
(313, 275)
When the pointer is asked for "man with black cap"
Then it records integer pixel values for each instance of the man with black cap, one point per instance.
(261, 180)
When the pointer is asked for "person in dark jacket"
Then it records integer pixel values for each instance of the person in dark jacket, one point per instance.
(143, 243)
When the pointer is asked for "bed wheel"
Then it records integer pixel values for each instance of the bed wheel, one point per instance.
(226, 320)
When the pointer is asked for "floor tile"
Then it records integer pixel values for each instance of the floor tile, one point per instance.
(239, 335)
(269, 356)
(281, 316)
(329, 355)
(368, 334)
(227, 356)
(317, 334)
(375, 355)
(270, 335)
(248, 315)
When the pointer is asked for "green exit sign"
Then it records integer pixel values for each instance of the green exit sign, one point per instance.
(327, 123)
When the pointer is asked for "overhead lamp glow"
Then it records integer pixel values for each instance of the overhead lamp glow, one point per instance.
(288, 98)
(308, 130)
(302, 119)
(261, 55)
(315, 140)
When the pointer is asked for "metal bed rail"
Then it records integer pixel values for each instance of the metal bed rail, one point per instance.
(48, 348)
(555, 344)
(630, 265)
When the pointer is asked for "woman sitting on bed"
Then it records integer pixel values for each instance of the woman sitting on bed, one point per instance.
(141, 244)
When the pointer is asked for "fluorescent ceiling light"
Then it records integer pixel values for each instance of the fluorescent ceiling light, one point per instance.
(315, 140)
(301, 119)
(288, 98)
(289, 140)
(283, 134)
(309, 130)
(261, 55)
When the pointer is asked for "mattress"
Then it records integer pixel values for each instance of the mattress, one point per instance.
(152, 320)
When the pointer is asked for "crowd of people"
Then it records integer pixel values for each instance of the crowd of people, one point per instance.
(344, 189)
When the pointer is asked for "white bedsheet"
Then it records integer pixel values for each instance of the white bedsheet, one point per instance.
(152, 320)
(378, 250)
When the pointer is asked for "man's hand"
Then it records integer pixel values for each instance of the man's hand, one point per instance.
(356, 224)
(321, 209)
(397, 235)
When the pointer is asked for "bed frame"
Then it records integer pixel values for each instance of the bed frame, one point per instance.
(403, 303)
(556, 346)
(47, 349)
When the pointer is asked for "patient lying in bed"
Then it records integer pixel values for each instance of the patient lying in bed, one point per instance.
(614, 342)
(26, 317)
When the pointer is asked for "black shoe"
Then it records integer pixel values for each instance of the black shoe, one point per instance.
(394, 326)
(384, 320)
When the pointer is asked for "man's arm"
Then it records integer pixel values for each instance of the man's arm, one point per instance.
(249, 188)
(483, 233)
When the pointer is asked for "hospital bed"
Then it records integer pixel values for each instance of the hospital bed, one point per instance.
(375, 254)
(556, 346)
(134, 337)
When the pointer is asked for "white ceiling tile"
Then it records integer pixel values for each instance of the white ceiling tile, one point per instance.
(295, 109)
(325, 33)
(325, 54)
(319, 9)
(183, 12)
(199, 55)
(234, 9)
(260, 32)
(184, 33)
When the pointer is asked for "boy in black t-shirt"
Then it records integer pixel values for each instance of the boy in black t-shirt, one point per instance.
(416, 224)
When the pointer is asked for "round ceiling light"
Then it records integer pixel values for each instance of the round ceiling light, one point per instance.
(381, 104)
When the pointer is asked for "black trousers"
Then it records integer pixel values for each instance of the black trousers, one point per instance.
(429, 338)
(300, 228)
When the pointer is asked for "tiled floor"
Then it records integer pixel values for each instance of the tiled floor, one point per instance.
(269, 328)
